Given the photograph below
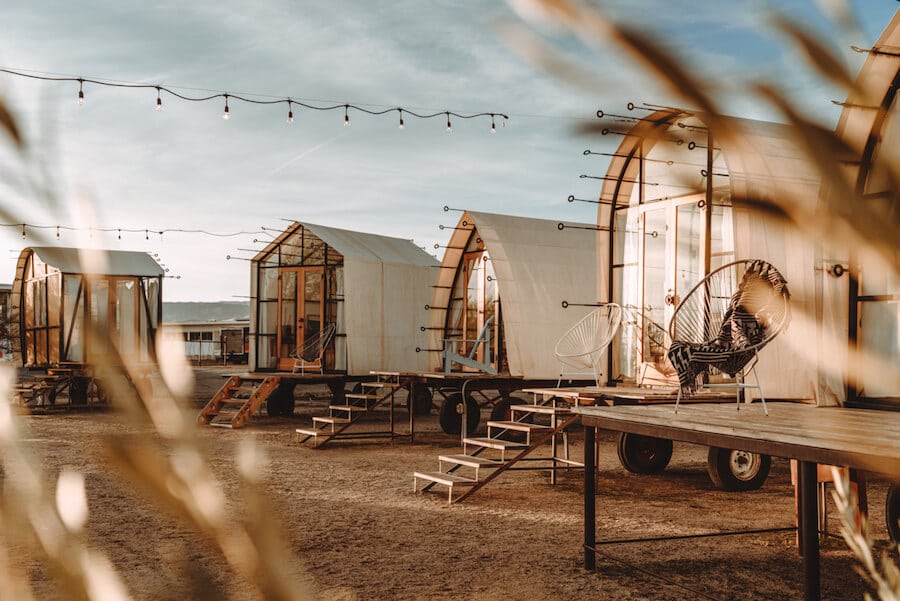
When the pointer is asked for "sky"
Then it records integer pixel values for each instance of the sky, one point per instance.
(115, 162)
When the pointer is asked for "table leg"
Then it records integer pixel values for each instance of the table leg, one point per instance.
(590, 497)
(809, 535)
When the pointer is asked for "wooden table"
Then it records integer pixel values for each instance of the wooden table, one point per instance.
(864, 439)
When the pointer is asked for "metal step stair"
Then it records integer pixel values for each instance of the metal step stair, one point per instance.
(511, 452)
(341, 416)
(236, 402)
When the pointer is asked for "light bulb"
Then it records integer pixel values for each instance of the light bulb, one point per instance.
(158, 103)
(449, 125)
(401, 120)
(290, 118)
(226, 115)
(493, 127)
(80, 97)
(346, 118)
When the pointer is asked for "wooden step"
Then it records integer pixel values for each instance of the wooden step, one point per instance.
(470, 460)
(331, 420)
(359, 395)
(517, 426)
(542, 409)
(350, 408)
(312, 432)
(445, 478)
(494, 443)
(380, 385)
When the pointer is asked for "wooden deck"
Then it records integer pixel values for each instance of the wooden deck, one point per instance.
(861, 438)
(858, 438)
(627, 395)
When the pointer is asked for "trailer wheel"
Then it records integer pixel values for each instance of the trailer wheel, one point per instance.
(500, 411)
(451, 419)
(281, 402)
(423, 398)
(892, 512)
(78, 391)
(737, 471)
(643, 454)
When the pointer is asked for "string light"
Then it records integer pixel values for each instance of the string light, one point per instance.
(449, 125)
(374, 110)
(401, 118)
(120, 230)
(290, 118)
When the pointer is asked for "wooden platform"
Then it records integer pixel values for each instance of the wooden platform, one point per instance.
(864, 439)
(627, 395)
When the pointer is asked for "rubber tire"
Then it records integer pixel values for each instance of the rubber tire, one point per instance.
(424, 397)
(78, 391)
(451, 421)
(281, 402)
(643, 454)
(721, 472)
(500, 410)
(892, 512)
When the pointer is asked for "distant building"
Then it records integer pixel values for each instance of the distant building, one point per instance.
(213, 332)
(5, 342)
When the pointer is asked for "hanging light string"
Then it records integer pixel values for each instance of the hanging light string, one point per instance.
(289, 101)
(120, 230)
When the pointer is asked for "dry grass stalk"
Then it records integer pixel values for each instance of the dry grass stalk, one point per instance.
(170, 468)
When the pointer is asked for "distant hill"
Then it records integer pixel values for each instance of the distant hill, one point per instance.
(192, 312)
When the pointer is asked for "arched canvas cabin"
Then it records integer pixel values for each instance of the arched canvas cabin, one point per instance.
(372, 287)
(668, 203)
(519, 271)
(871, 126)
(59, 292)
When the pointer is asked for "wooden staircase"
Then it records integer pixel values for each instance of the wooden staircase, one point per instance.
(508, 446)
(236, 402)
(343, 415)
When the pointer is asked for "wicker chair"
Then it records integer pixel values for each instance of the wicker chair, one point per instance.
(310, 356)
(582, 347)
(723, 323)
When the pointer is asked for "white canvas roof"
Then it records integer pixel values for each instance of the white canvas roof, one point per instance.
(115, 262)
(537, 266)
(371, 247)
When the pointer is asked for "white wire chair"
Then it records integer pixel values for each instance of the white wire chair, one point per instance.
(723, 323)
(309, 357)
(584, 344)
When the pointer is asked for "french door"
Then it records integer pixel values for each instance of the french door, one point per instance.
(301, 303)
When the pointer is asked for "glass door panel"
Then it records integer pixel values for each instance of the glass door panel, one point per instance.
(287, 329)
(688, 248)
(310, 305)
(126, 316)
(657, 282)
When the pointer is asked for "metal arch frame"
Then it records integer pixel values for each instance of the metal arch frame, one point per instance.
(663, 118)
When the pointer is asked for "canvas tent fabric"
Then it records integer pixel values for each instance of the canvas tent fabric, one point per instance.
(537, 266)
(386, 285)
(100, 262)
(870, 125)
(755, 160)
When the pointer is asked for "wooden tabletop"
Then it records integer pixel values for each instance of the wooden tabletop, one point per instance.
(628, 395)
(867, 439)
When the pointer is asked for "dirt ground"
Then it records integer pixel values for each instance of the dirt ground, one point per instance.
(357, 530)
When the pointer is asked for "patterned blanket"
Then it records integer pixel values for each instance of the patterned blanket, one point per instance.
(750, 314)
